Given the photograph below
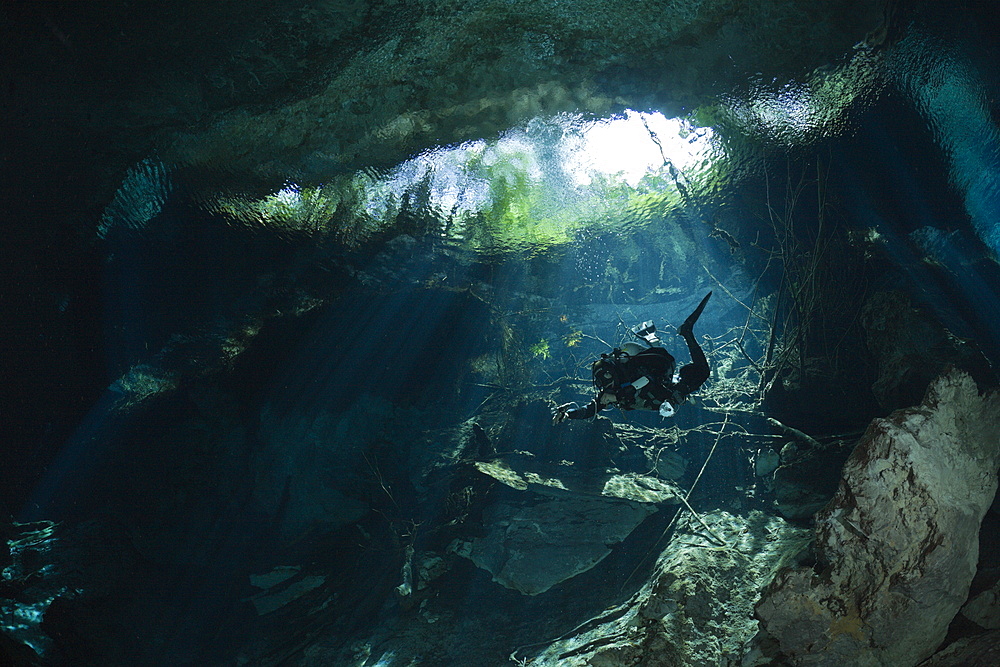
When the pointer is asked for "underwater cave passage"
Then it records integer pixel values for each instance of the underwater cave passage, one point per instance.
(307, 360)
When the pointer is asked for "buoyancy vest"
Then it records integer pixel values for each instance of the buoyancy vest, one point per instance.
(617, 371)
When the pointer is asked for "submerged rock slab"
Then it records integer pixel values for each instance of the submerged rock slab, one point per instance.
(560, 520)
(806, 485)
(549, 518)
(532, 546)
(984, 609)
(978, 651)
(899, 540)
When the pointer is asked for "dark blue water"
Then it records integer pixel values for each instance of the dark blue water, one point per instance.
(345, 376)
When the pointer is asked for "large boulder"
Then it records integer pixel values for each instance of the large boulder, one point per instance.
(897, 546)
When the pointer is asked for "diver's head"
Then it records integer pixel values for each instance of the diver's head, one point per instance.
(604, 375)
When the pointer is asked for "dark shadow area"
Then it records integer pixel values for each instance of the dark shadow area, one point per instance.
(268, 402)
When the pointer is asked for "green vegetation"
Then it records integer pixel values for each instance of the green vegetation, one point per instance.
(525, 192)
(541, 349)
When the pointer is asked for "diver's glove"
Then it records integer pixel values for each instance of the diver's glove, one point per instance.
(559, 412)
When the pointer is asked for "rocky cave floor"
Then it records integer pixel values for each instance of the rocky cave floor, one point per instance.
(487, 545)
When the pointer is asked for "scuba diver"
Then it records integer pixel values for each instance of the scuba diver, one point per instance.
(642, 378)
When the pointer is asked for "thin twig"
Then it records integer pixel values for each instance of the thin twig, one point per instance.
(726, 289)
(702, 521)
(718, 436)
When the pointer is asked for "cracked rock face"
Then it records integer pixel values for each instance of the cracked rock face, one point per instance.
(899, 541)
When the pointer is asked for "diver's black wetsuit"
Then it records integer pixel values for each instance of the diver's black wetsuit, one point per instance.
(645, 380)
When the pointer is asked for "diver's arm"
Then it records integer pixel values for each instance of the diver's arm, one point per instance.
(596, 405)
(583, 413)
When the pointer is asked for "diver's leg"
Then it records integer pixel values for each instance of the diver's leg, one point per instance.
(694, 374)
(686, 328)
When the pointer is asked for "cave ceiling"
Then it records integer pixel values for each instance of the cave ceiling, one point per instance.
(265, 92)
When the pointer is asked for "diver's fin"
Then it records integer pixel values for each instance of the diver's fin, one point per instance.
(688, 325)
